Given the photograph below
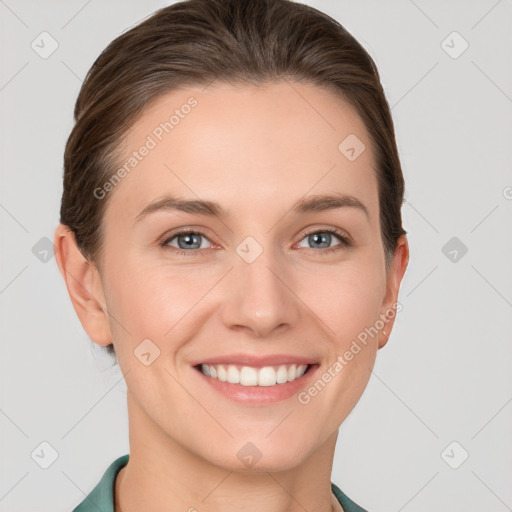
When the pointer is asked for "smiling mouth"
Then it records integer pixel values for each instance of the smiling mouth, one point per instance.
(251, 376)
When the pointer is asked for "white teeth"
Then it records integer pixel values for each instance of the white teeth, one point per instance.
(233, 375)
(222, 374)
(301, 370)
(267, 376)
(282, 375)
(249, 376)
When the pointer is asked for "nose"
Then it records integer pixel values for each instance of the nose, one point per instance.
(259, 296)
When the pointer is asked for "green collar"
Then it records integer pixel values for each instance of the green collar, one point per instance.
(101, 498)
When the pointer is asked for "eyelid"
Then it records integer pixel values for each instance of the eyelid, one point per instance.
(184, 231)
(344, 238)
(328, 228)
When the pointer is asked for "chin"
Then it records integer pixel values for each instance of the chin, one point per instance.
(259, 457)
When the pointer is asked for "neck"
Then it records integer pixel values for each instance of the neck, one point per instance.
(162, 474)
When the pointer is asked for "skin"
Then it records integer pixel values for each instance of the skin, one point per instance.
(255, 150)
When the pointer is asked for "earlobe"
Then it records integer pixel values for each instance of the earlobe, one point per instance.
(84, 286)
(393, 280)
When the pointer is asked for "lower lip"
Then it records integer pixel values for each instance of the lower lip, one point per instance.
(259, 395)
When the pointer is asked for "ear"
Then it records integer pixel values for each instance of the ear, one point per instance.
(84, 285)
(394, 278)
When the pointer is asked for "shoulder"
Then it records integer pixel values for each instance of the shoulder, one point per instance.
(102, 496)
(347, 504)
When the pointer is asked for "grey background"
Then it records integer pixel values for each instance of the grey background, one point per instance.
(445, 374)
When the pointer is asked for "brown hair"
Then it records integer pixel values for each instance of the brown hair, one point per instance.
(195, 42)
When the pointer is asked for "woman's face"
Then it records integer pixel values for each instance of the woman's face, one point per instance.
(273, 275)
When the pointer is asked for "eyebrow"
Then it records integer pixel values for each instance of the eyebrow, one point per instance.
(311, 203)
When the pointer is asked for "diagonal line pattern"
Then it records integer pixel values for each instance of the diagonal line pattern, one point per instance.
(493, 287)
(14, 423)
(4, 4)
(508, 508)
(108, 391)
(76, 14)
(485, 15)
(72, 72)
(280, 423)
(420, 80)
(14, 76)
(13, 279)
(421, 215)
(217, 486)
(14, 218)
(210, 82)
(424, 14)
(403, 506)
(405, 404)
(199, 403)
(14, 485)
(286, 491)
(492, 211)
(422, 280)
(88, 499)
(503, 407)
(492, 81)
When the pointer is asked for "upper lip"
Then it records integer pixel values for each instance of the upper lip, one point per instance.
(256, 361)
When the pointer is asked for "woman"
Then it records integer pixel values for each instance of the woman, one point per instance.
(231, 232)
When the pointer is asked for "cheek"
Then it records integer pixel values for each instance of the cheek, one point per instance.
(156, 300)
(150, 301)
(347, 298)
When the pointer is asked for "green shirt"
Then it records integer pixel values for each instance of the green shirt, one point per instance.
(101, 498)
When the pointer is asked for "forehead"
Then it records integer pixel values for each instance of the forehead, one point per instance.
(246, 145)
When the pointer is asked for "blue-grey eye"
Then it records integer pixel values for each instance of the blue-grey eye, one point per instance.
(187, 240)
(322, 239)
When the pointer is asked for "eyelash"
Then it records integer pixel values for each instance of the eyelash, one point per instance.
(345, 241)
